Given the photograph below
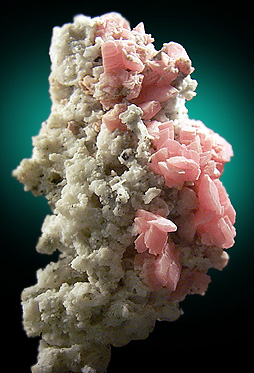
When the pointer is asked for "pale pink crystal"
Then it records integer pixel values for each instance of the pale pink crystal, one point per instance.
(175, 161)
(178, 53)
(153, 231)
(162, 270)
(225, 201)
(177, 170)
(121, 54)
(134, 70)
(112, 120)
(157, 93)
(153, 235)
(161, 132)
(150, 109)
(190, 282)
(163, 71)
(118, 84)
(145, 264)
(215, 216)
(207, 149)
(139, 30)
(167, 267)
(113, 25)
(208, 195)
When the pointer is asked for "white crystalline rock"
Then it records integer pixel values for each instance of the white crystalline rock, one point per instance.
(95, 180)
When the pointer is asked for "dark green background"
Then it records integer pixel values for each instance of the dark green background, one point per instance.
(217, 327)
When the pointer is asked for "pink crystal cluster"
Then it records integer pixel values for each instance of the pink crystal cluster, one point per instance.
(196, 159)
(188, 155)
(134, 71)
(192, 164)
(153, 230)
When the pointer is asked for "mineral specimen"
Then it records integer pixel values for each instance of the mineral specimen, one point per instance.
(139, 214)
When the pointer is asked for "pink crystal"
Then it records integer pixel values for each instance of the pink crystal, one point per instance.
(175, 161)
(163, 70)
(190, 282)
(157, 93)
(225, 201)
(215, 216)
(167, 267)
(150, 109)
(121, 54)
(131, 70)
(177, 170)
(152, 231)
(178, 53)
(162, 270)
(113, 24)
(208, 194)
(112, 120)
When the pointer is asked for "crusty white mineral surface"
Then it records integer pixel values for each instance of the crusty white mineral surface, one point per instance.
(138, 212)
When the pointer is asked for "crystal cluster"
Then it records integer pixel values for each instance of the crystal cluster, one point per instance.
(139, 214)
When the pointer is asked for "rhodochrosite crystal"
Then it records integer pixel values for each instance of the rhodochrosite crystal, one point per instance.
(139, 214)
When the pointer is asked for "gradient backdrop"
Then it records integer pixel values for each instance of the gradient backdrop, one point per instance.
(217, 39)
